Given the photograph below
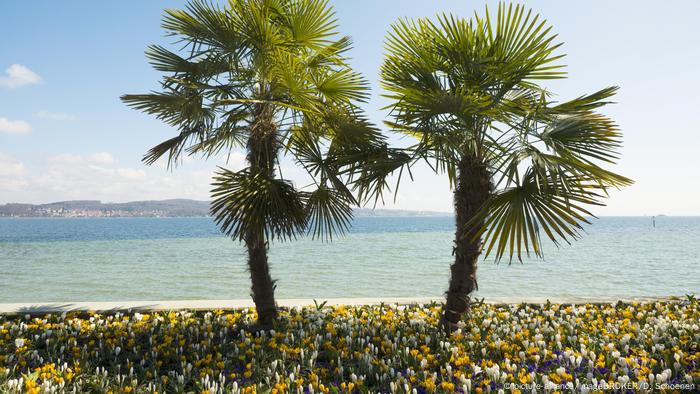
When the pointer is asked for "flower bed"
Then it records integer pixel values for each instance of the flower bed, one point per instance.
(513, 348)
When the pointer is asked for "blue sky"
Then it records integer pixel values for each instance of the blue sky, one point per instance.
(64, 134)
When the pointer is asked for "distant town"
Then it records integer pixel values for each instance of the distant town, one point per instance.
(164, 208)
(95, 209)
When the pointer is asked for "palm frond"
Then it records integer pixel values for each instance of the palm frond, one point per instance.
(174, 108)
(202, 22)
(331, 54)
(262, 75)
(173, 147)
(468, 89)
(293, 85)
(322, 168)
(344, 86)
(514, 216)
(255, 21)
(164, 60)
(244, 202)
(311, 22)
(562, 140)
(232, 133)
(589, 136)
(186, 113)
(524, 43)
(373, 169)
(329, 212)
(587, 103)
(450, 80)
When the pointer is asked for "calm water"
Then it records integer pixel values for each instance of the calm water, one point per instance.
(148, 259)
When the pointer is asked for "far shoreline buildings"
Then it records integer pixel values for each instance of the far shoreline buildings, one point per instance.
(156, 209)
(96, 209)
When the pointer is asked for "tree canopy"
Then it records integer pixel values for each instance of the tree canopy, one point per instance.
(471, 87)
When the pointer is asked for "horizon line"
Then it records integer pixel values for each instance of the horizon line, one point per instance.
(439, 213)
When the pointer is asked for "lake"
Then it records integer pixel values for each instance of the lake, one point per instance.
(111, 259)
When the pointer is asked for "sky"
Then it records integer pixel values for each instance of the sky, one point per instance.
(64, 133)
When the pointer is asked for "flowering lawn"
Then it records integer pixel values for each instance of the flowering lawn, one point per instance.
(503, 348)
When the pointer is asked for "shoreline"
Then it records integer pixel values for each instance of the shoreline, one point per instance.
(167, 305)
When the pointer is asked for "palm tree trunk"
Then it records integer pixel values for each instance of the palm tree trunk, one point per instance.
(263, 147)
(263, 287)
(472, 191)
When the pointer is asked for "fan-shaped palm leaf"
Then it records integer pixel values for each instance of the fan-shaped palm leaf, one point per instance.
(268, 76)
(244, 202)
(518, 163)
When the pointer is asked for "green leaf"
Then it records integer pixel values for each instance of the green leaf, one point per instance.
(514, 216)
(245, 203)
(329, 212)
(268, 77)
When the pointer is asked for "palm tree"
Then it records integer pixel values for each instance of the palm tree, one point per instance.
(518, 162)
(270, 77)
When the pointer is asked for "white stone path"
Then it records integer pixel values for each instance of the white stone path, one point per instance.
(48, 307)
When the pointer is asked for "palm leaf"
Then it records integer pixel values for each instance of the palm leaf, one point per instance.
(342, 86)
(175, 108)
(329, 212)
(514, 216)
(268, 76)
(467, 89)
(244, 202)
(310, 22)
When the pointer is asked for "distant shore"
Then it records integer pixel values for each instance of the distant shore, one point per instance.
(151, 208)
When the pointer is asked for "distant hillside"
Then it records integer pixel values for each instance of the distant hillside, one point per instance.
(94, 208)
(366, 212)
(164, 208)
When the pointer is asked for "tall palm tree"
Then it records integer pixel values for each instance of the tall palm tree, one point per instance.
(518, 162)
(270, 77)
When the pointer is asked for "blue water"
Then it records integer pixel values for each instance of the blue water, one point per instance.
(105, 259)
(93, 229)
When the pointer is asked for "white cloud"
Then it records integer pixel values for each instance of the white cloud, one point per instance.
(131, 174)
(59, 116)
(64, 159)
(96, 176)
(101, 158)
(12, 174)
(18, 75)
(235, 161)
(8, 126)
(101, 176)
